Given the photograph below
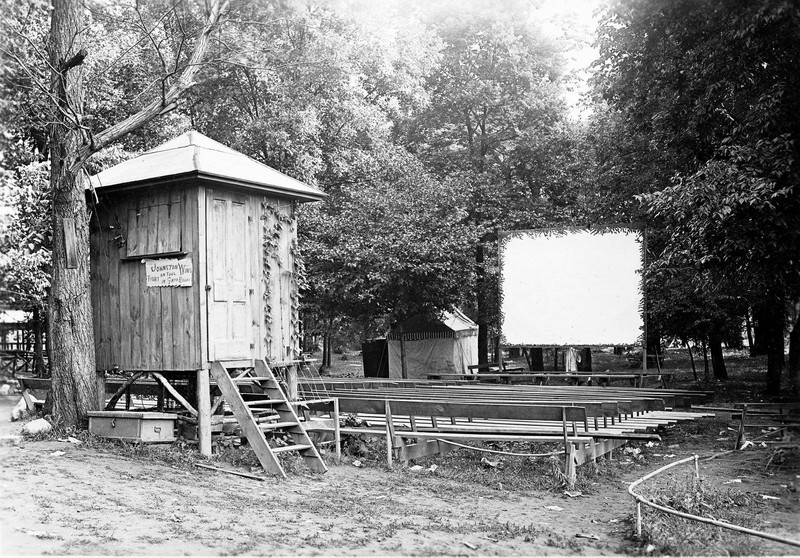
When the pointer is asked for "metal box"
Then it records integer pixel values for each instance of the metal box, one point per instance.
(133, 426)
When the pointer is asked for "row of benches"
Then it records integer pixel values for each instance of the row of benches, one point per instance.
(636, 379)
(420, 422)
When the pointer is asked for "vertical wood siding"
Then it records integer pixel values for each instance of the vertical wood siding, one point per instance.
(140, 328)
(166, 328)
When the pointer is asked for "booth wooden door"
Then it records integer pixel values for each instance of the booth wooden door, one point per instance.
(229, 313)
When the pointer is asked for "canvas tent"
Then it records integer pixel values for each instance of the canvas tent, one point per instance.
(447, 345)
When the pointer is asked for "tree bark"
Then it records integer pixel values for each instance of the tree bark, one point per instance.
(794, 358)
(749, 326)
(691, 358)
(717, 360)
(71, 335)
(326, 351)
(761, 327)
(770, 321)
(480, 298)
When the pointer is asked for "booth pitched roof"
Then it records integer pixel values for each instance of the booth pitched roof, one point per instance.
(194, 155)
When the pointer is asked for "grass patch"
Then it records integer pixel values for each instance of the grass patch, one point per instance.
(474, 467)
(664, 534)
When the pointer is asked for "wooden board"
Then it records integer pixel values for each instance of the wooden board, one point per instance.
(462, 409)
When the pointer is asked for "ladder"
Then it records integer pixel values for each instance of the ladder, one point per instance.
(269, 411)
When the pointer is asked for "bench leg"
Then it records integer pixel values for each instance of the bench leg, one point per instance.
(569, 466)
(29, 403)
(336, 430)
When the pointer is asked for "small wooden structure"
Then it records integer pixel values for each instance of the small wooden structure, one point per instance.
(193, 251)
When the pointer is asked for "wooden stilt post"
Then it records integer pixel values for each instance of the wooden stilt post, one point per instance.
(204, 412)
(291, 382)
(160, 400)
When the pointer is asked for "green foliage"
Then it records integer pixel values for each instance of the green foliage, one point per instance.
(712, 143)
(25, 238)
(395, 245)
(496, 124)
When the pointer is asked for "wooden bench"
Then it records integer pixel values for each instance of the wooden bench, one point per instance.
(636, 379)
(767, 418)
(493, 367)
(407, 438)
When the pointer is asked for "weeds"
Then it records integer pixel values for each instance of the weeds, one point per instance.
(664, 534)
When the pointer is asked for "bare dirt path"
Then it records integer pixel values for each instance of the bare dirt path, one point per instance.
(94, 502)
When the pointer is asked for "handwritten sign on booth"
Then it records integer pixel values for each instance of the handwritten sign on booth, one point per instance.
(169, 272)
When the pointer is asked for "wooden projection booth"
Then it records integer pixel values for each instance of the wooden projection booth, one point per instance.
(192, 262)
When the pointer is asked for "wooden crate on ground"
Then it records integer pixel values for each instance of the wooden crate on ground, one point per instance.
(133, 426)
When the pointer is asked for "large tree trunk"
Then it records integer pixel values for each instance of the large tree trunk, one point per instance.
(326, 351)
(480, 297)
(771, 317)
(749, 326)
(761, 321)
(70, 312)
(717, 360)
(794, 358)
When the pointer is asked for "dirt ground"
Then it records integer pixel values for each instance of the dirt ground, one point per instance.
(59, 498)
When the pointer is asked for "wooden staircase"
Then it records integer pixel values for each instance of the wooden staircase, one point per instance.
(266, 409)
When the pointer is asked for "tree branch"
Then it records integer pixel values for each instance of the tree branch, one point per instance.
(159, 106)
(76, 60)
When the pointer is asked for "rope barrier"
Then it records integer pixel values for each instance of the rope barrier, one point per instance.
(486, 450)
(642, 500)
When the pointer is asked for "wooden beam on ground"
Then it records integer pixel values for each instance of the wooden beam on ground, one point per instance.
(231, 472)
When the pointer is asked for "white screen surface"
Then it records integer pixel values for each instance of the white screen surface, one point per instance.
(571, 287)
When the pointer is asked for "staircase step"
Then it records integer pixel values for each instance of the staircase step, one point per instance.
(264, 402)
(254, 426)
(276, 425)
(296, 447)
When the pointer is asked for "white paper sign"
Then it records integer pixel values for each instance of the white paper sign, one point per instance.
(169, 272)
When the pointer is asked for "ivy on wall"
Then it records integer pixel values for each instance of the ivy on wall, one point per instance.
(277, 223)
